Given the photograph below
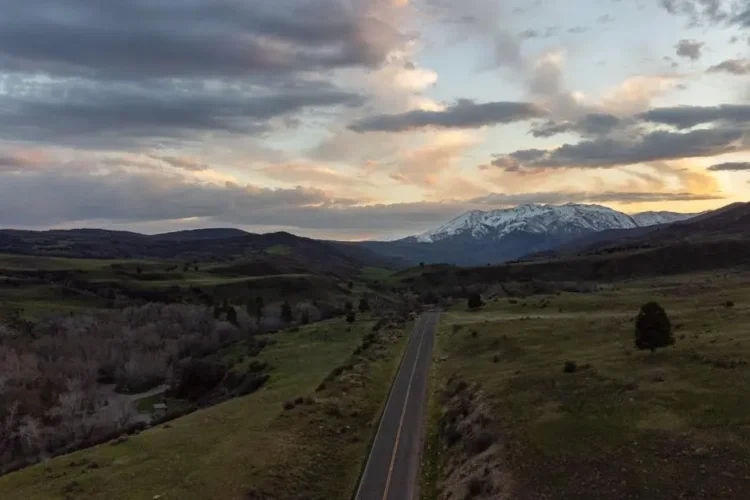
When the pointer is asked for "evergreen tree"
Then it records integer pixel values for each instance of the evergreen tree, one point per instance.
(286, 312)
(259, 307)
(475, 301)
(232, 316)
(363, 305)
(653, 328)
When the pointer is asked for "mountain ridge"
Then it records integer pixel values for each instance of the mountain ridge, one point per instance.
(481, 237)
(538, 218)
(200, 245)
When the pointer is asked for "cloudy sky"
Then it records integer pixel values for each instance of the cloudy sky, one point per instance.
(358, 119)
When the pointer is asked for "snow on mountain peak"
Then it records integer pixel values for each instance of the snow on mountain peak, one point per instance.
(569, 219)
(462, 223)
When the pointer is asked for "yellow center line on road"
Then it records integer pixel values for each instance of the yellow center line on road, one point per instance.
(403, 413)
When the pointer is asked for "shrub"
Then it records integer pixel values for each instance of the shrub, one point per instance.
(729, 303)
(259, 305)
(570, 367)
(232, 316)
(481, 442)
(653, 328)
(475, 487)
(233, 380)
(286, 312)
(475, 301)
(288, 405)
(304, 317)
(254, 346)
(429, 297)
(196, 377)
(363, 305)
(351, 317)
(252, 383)
(257, 366)
(451, 434)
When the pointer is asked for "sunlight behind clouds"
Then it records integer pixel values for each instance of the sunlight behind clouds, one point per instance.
(389, 102)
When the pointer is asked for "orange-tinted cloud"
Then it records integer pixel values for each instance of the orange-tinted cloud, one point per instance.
(23, 159)
(425, 164)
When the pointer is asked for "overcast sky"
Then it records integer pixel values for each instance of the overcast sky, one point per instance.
(359, 119)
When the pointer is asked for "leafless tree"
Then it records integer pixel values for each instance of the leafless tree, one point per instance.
(66, 357)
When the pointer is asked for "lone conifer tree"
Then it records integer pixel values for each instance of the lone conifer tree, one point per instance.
(232, 316)
(259, 307)
(475, 301)
(286, 312)
(363, 305)
(653, 328)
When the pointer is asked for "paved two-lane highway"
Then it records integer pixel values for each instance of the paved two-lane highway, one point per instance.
(393, 465)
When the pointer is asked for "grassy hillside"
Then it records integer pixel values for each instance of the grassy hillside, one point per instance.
(623, 424)
(250, 447)
(280, 252)
(303, 434)
(602, 265)
(44, 286)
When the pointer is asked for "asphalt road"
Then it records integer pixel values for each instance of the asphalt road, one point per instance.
(392, 468)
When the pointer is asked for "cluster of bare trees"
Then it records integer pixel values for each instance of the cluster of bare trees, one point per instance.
(61, 385)
(65, 381)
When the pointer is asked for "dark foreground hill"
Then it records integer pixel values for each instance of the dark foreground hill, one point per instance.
(728, 224)
(281, 252)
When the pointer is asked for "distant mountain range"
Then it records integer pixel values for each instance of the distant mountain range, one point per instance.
(712, 241)
(475, 238)
(478, 237)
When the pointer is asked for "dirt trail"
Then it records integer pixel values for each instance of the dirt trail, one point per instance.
(116, 402)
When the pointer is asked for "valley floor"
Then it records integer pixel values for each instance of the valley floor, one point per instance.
(508, 422)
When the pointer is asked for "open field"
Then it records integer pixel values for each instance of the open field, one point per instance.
(248, 445)
(626, 423)
(377, 274)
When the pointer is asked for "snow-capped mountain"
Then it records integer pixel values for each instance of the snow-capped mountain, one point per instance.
(571, 219)
(537, 219)
(494, 236)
